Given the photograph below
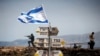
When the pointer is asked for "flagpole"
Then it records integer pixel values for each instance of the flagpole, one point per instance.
(49, 42)
(49, 39)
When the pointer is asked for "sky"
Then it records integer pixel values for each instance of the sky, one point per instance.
(69, 16)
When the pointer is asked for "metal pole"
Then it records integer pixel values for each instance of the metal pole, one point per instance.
(49, 42)
(49, 30)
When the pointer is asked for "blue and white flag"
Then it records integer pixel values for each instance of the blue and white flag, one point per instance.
(35, 15)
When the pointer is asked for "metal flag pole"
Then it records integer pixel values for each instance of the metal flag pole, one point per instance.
(49, 39)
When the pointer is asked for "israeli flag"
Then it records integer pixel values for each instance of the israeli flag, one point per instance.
(35, 15)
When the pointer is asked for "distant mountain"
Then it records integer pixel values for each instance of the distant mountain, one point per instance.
(4, 43)
(82, 38)
(68, 38)
(19, 42)
(97, 39)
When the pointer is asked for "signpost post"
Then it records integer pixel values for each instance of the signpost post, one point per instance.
(48, 31)
(49, 42)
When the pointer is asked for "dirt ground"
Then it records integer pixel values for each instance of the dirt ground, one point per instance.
(25, 51)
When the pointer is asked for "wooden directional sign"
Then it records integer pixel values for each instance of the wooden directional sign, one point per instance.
(54, 31)
(45, 31)
(42, 30)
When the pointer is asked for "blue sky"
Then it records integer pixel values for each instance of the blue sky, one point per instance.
(70, 16)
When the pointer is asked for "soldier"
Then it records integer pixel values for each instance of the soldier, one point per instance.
(75, 46)
(31, 37)
(91, 43)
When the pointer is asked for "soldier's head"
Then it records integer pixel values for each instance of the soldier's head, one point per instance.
(32, 35)
(92, 33)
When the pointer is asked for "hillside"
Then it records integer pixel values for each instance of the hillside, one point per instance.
(81, 38)
(68, 38)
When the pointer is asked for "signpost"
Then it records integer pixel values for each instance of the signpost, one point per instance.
(48, 31)
(45, 31)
